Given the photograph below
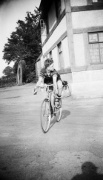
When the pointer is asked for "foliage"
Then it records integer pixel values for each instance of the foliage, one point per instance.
(9, 78)
(25, 42)
(31, 77)
(7, 81)
(8, 71)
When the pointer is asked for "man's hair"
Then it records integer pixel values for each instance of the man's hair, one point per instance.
(48, 62)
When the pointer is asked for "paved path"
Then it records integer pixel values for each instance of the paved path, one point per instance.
(28, 154)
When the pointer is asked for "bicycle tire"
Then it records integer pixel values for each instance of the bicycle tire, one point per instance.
(59, 112)
(45, 115)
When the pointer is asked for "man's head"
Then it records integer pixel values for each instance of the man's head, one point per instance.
(49, 64)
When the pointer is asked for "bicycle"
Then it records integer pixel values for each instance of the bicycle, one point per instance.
(47, 111)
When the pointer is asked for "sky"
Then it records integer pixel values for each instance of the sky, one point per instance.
(10, 12)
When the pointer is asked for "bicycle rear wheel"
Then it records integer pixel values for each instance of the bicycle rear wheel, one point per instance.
(59, 112)
(45, 115)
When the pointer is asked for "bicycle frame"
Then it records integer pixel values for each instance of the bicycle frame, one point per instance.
(49, 91)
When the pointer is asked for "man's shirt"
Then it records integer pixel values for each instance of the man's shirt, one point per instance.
(48, 78)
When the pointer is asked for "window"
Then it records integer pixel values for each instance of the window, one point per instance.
(58, 8)
(51, 16)
(97, 1)
(94, 0)
(50, 54)
(42, 24)
(60, 53)
(96, 47)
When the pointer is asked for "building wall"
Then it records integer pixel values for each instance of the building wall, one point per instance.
(78, 2)
(38, 67)
(87, 82)
(79, 50)
(81, 22)
(84, 22)
(42, 61)
(85, 19)
(65, 53)
(87, 89)
(55, 58)
(59, 35)
(88, 76)
(61, 28)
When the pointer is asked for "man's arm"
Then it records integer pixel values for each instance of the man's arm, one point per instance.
(55, 83)
(38, 84)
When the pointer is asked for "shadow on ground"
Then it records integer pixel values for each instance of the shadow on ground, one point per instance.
(89, 172)
(65, 113)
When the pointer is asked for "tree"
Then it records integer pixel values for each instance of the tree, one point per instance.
(8, 71)
(25, 42)
(9, 78)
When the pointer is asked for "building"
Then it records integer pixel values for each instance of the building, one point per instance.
(72, 34)
(39, 64)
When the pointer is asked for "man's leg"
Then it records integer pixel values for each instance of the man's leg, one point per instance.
(38, 84)
(52, 102)
(60, 86)
(58, 96)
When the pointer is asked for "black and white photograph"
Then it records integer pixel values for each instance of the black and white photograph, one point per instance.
(51, 89)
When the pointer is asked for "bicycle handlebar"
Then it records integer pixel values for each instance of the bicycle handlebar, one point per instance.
(46, 86)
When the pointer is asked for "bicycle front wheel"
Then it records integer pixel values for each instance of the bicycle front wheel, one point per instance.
(45, 115)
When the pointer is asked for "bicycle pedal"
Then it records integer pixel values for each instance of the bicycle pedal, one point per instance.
(58, 107)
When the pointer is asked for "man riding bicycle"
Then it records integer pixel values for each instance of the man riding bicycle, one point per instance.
(48, 75)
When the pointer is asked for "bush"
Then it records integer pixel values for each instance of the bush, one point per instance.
(31, 77)
(7, 81)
